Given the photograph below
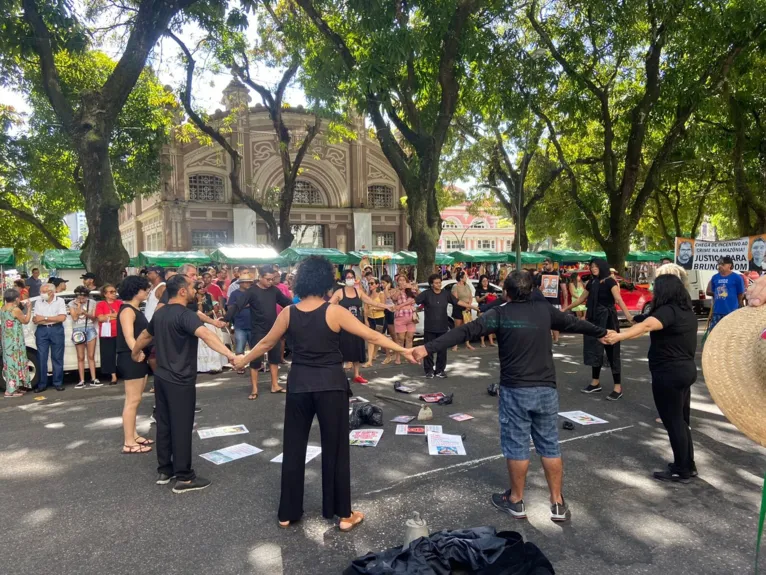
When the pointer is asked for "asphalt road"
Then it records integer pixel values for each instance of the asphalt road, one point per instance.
(72, 504)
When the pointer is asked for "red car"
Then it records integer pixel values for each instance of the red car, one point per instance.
(638, 299)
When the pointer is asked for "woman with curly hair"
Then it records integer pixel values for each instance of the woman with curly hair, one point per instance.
(317, 385)
(134, 290)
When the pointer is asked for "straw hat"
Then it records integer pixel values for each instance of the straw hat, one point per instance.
(732, 362)
(246, 276)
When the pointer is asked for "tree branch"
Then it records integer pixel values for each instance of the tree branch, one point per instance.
(43, 46)
(661, 220)
(409, 134)
(329, 33)
(30, 218)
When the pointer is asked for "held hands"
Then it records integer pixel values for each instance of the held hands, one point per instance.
(409, 354)
(418, 353)
(137, 356)
(610, 338)
(239, 362)
(219, 323)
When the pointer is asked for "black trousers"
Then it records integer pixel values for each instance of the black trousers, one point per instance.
(441, 357)
(616, 377)
(672, 397)
(174, 412)
(331, 409)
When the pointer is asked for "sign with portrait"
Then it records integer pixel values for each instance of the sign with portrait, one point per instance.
(549, 285)
(747, 253)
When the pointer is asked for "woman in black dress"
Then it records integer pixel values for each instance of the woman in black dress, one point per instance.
(352, 347)
(134, 290)
(602, 293)
(317, 385)
(672, 327)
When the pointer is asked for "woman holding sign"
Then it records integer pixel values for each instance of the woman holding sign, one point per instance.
(106, 312)
(602, 294)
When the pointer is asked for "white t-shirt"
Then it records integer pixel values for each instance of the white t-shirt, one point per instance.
(151, 302)
(89, 308)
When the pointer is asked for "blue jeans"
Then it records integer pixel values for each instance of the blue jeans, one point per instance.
(50, 339)
(241, 337)
(526, 411)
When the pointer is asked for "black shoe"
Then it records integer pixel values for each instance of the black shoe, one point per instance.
(40, 389)
(112, 383)
(692, 473)
(503, 502)
(429, 376)
(59, 388)
(592, 389)
(197, 409)
(560, 511)
(671, 476)
(194, 485)
(614, 396)
(163, 479)
(441, 375)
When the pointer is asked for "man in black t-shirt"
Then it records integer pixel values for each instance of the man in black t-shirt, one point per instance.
(528, 398)
(263, 298)
(175, 331)
(435, 302)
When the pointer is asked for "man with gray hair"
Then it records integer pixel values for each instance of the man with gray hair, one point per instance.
(49, 317)
(529, 402)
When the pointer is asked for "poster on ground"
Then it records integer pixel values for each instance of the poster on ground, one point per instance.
(582, 418)
(365, 437)
(311, 452)
(748, 253)
(222, 431)
(417, 429)
(231, 453)
(403, 418)
(461, 416)
(443, 444)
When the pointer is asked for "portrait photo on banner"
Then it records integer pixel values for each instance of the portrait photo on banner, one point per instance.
(685, 252)
(757, 254)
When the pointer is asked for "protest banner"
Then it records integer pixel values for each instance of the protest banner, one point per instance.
(748, 253)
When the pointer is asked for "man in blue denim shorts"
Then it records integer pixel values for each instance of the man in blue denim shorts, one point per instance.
(529, 402)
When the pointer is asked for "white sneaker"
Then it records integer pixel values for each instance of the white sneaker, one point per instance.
(80, 385)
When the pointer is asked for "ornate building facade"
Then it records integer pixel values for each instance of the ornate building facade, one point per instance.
(347, 195)
(464, 231)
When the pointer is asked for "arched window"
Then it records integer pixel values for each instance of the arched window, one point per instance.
(205, 188)
(451, 224)
(479, 224)
(380, 197)
(307, 194)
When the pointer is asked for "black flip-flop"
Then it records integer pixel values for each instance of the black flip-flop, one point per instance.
(283, 390)
(252, 396)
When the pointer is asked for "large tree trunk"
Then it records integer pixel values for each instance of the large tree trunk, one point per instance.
(521, 231)
(616, 250)
(103, 252)
(425, 224)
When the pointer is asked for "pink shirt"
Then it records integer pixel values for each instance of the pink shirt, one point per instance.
(285, 292)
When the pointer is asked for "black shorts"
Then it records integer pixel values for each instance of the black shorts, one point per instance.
(129, 369)
(274, 355)
(376, 323)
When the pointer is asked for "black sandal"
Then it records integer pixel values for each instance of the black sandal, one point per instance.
(135, 449)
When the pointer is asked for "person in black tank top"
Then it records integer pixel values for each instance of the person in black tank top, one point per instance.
(133, 291)
(352, 346)
(317, 384)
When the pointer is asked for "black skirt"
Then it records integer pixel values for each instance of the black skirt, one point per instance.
(352, 347)
(594, 354)
(108, 351)
(129, 369)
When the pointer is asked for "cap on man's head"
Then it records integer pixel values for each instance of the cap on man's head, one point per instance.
(725, 260)
(156, 269)
(57, 281)
(88, 276)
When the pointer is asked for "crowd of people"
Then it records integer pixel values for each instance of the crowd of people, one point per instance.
(164, 321)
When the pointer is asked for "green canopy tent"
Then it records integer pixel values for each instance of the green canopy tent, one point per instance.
(294, 255)
(7, 259)
(383, 256)
(649, 256)
(62, 260)
(247, 255)
(526, 257)
(411, 258)
(478, 256)
(133, 262)
(570, 256)
(171, 259)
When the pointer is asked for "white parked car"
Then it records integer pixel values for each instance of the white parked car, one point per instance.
(70, 353)
(447, 285)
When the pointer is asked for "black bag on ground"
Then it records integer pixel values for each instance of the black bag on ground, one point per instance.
(354, 417)
(480, 551)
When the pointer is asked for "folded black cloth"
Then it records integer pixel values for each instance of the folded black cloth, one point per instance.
(480, 551)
